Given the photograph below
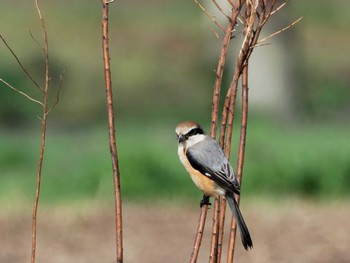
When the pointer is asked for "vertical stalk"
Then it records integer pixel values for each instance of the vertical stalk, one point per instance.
(241, 153)
(43, 135)
(220, 205)
(199, 234)
(112, 137)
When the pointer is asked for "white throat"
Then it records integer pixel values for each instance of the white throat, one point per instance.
(194, 140)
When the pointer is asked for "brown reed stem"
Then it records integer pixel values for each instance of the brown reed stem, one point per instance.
(112, 136)
(43, 133)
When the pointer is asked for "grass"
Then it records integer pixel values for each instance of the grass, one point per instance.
(280, 162)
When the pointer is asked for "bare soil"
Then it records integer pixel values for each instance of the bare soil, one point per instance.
(291, 231)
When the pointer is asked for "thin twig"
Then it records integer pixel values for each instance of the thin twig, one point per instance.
(215, 232)
(240, 160)
(214, 32)
(112, 137)
(279, 8)
(282, 30)
(22, 93)
(233, 5)
(219, 73)
(58, 93)
(199, 235)
(217, 229)
(220, 9)
(43, 132)
(36, 41)
(209, 15)
(221, 227)
(21, 65)
(260, 45)
(251, 13)
(256, 14)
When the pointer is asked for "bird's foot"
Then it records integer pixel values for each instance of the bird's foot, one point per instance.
(205, 201)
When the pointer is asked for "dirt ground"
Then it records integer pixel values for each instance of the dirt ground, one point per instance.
(291, 231)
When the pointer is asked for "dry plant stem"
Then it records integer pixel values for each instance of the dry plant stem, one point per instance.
(219, 73)
(43, 134)
(282, 30)
(21, 65)
(215, 249)
(255, 9)
(221, 227)
(22, 93)
(210, 16)
(112, 137)
(241, 153)
(214, 234)
(219, 205)
(251, 11)
(215, 106)
(230, 101)
(199, 235)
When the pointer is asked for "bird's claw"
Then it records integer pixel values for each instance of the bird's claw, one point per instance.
(205, 201)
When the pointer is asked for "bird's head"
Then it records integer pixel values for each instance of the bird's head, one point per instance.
(188, 130)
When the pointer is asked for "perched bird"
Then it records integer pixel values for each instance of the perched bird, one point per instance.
(210, 170)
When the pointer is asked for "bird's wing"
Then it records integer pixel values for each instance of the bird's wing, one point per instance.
(209, 159)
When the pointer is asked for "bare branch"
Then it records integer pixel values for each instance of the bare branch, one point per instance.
(278, 8)
(58, 93)
(209, 15)
(282, 30)
(221, 227)
(199, 235)
(220, 71)
(215, 232)
(112, 136)
(233, 5)
(21, 65)
(220, 9)
(20, 92)
(43, 132)
(260, 45)
(36, 41)
(214, 32)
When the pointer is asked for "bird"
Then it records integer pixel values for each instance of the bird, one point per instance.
(210, 170)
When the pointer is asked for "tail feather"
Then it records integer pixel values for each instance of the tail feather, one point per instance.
(245, 236)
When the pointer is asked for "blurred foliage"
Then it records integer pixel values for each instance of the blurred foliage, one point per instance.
(281, 161)
(323, 67)
(163, 56)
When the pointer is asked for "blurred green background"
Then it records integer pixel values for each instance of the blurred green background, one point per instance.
(163, 57)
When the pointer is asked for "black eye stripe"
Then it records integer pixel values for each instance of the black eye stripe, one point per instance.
(195, 131)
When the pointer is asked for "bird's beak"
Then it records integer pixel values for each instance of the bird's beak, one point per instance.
(181, 138)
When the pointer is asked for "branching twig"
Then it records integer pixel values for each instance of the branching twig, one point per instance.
(112, 137)
(43, 132)
(58, 94)
(209, 15)
(220, 71)
(278, 8)
(199, 235)
(21, 65)
(215, 232)
(220, 9)
(253, 17)
(43, 119)
(219, 205)
(282, 30)
(240, 161)
(20, 92)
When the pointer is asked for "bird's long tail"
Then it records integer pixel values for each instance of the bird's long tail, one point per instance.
(245, 236)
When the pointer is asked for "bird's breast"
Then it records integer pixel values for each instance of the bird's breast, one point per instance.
(206, 185)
